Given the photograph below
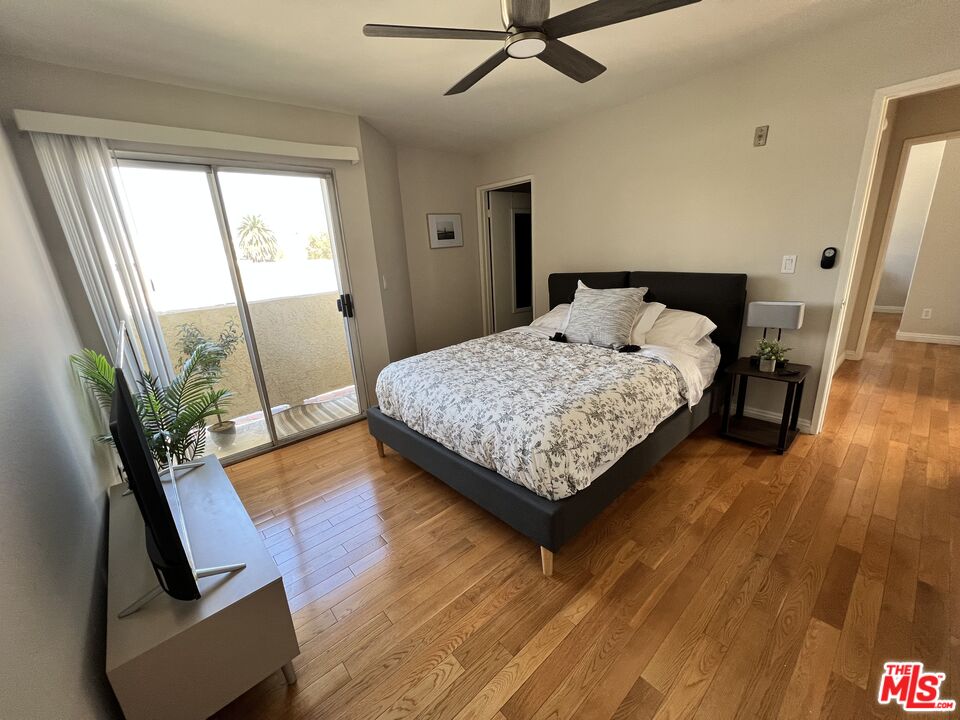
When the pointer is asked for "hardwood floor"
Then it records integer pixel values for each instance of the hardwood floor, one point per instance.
(727, 583)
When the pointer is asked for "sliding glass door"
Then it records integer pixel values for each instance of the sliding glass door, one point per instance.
(282, 240)
(249, 259)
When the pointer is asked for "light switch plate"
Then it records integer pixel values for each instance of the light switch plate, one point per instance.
(789, 264)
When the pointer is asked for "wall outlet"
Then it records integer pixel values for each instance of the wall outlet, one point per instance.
(926, 313)
(760, 135)
(789, 264)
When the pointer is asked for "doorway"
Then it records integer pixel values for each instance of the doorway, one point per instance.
(249, 258)
(923, 108)
(920, 258)
(508, 244)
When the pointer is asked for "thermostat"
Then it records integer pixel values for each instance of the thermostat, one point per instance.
(828, 258)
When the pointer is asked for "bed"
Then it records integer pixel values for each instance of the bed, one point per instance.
(552, 515)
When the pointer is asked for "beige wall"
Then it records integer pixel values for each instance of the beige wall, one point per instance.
(40, 86)
(386, 214)
(910, 216)
(53, 479)
(920, 116)
(301, 342)
(935, 283)
(445, 283)
(671, 181)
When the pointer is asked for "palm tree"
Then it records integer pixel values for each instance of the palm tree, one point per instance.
(318, 247)
(257, 241)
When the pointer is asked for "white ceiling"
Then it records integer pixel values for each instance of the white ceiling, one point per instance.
(312, 52)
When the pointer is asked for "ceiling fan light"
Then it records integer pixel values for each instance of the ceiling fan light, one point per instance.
(526, 44)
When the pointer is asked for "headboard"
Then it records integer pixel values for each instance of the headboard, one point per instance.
(722, 297)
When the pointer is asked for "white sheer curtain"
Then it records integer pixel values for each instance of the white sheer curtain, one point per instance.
(79, 174)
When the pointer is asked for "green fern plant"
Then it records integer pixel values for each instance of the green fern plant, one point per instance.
(173, 417)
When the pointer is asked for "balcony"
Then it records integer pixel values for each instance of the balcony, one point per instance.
(306, 366)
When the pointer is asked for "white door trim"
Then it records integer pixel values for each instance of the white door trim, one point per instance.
(856, 228)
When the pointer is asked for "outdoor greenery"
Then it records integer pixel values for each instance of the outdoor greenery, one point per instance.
(256, 241)
(190, 337)
(319, 247)
(772, 350)
(173, 417)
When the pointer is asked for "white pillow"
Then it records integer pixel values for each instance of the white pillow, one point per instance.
(679, 327)
(649, 313)
(604, 317)
(645, 320)
(556, 320)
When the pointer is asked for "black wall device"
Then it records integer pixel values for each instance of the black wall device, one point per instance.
(828, 258)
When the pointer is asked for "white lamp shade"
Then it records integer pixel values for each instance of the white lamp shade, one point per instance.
(782, 315)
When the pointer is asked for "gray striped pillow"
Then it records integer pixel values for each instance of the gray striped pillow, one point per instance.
(604, 317)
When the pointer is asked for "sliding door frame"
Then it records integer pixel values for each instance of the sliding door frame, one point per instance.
(210, 166)
(246, 320)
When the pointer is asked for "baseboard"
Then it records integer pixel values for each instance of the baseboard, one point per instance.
(927, 338)
(890, 309)
(774, 417)
(851, 355)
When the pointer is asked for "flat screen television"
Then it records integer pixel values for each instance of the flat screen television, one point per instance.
(165, 547)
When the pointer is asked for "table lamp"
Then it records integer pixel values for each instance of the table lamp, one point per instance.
(775, 314)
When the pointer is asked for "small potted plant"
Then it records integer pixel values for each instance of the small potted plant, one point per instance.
(174, 417)
(771, 354)
(190, 337)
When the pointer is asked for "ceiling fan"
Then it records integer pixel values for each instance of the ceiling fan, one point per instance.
(531, 32)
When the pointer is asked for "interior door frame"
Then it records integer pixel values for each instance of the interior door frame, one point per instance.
(210, 165)
(486, 256)
(858, 227)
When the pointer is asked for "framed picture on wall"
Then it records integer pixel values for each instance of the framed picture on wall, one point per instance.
(446, 231)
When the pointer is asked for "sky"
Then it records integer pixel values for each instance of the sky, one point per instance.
(178, 241)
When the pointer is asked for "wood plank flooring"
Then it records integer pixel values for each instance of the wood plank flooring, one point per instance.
(727, 583)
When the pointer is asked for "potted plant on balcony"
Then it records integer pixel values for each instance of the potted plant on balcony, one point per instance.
(173, 417)
(771, 354)
(190, 337)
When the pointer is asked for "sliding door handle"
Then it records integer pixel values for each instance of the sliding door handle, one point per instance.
(345, 305)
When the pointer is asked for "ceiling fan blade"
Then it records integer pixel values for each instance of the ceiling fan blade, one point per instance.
(483, 69)
(413, 31)
(606, 12)
(570, 61)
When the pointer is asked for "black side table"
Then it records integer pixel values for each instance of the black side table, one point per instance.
(762, 432)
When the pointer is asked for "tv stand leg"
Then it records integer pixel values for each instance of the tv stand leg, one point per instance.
(289, 674)
(140, 602)
(199, 572)
(219, 570)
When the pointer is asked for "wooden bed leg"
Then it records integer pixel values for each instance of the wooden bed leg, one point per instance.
(380, 448)
(546, 560)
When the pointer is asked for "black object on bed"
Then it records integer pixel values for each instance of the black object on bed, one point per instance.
(550, 523)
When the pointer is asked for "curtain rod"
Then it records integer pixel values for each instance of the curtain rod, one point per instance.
(34, 121)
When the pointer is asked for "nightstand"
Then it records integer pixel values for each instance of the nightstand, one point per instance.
(762, 432)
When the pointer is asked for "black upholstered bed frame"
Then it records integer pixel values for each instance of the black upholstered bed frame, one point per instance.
(550, 523)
